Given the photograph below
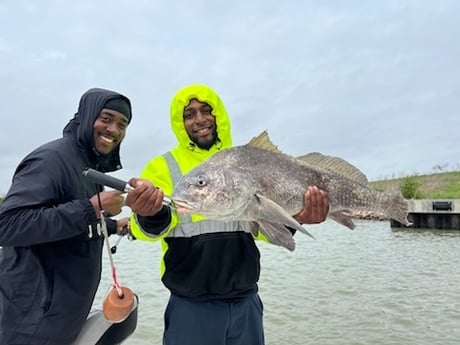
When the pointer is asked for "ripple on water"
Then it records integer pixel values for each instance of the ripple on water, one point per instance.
(372, 285)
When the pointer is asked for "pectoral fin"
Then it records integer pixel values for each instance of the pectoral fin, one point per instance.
(342, 218)
(277, 234)
(271, 212)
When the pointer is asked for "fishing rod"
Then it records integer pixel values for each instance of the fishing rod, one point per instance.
(120, 301)
(113, 182)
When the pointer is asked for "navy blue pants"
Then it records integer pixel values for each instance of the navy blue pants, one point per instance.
(192, 322)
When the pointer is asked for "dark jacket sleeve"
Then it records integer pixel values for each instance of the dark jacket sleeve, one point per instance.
(156, 224)
(111, 226)
(41, 207)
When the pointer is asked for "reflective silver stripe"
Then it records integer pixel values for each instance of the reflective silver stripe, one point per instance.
(90, 231)
(206, 227)
(176, 174)
(145, 232)
(187, 228)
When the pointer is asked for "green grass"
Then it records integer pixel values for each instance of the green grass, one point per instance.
(445, 185)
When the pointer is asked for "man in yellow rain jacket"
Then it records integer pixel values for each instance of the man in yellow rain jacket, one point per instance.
(210, 267)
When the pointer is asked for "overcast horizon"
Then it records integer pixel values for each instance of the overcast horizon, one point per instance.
(375, 83)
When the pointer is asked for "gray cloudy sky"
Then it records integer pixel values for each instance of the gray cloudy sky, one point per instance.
(374, 82)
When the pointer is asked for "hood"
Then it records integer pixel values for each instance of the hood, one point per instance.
(205, 94)
(80, 127)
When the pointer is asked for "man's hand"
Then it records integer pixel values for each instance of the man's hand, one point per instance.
(111, 201)
(145, 199)
(122, 224)
(315, 207)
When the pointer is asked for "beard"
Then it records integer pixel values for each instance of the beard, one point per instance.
(206, 144)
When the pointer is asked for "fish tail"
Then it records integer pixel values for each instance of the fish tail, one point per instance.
(397, 207)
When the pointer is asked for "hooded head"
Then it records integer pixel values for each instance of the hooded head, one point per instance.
(81, 126)
(203, 94)
(120, 105)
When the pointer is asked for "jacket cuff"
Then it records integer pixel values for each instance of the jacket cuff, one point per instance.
(112, 226)
(157, 224)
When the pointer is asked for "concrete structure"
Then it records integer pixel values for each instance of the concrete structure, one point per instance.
(433, 214)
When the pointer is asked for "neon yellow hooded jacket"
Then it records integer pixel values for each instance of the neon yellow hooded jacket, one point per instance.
(186, 153)
(211, 265)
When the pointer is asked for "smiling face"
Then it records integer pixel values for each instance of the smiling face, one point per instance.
(200, 124)
(109, 129)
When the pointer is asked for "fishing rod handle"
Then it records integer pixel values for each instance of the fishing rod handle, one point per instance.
(107, 180)
(113, 182)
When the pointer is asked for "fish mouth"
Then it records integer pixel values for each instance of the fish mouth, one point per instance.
(184, 206)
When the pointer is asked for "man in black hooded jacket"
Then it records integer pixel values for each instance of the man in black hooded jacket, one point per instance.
(50, 233)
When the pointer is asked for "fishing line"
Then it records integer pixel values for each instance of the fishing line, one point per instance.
(109, 253)
(109, 250)
(120, 301)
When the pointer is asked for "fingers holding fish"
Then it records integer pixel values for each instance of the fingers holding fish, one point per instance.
(316, 205)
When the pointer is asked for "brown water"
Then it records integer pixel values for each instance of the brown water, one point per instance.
(373, 285)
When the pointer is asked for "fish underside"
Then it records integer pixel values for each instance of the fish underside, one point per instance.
(258, 183)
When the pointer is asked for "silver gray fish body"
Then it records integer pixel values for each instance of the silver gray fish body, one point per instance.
(267, 187)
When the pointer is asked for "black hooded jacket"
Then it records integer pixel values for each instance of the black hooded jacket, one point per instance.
(50, 260)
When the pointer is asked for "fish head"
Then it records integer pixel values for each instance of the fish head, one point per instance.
(213, 191)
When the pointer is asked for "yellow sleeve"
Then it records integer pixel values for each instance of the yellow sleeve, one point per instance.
(157, 172)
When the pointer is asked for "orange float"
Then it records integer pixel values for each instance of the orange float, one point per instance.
(117, 308)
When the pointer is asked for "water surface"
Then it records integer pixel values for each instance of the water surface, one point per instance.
(372, 285)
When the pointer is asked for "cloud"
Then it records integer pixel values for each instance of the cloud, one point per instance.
(372, 82)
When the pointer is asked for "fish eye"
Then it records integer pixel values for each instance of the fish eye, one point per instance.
(201, 181)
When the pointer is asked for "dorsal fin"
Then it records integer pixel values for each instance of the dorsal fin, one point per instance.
(315, 160)
(262, 141)
(336, 165)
